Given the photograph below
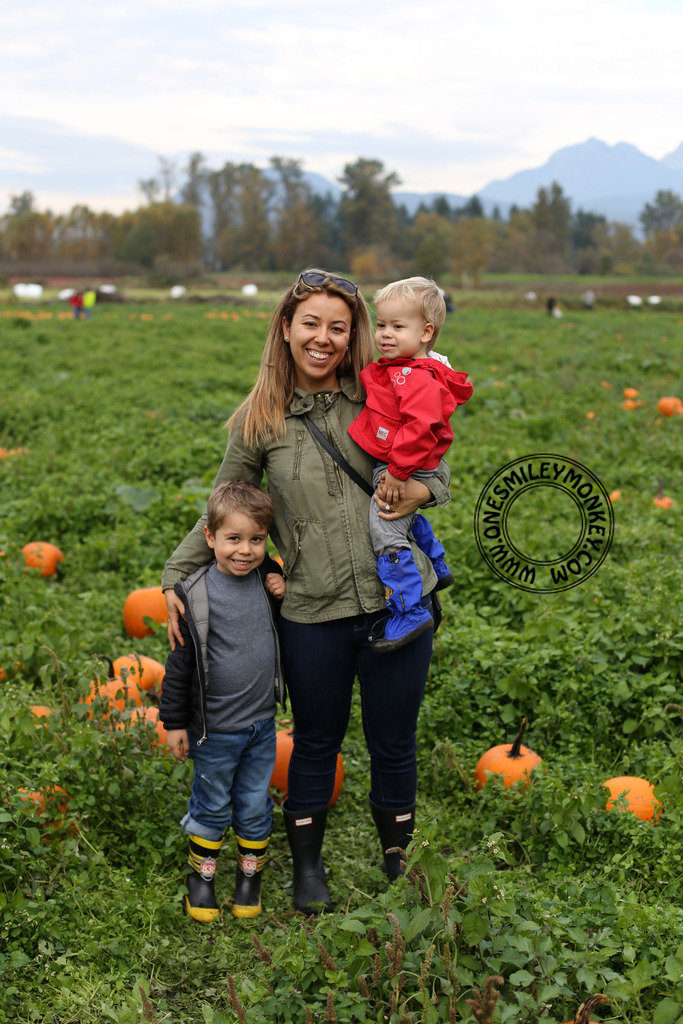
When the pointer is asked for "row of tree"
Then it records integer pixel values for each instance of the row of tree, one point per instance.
(244, 217)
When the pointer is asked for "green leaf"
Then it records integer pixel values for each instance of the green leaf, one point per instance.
(674, 968)
(418, 924)
(578, 832)
(640, 975)
(667, 1011)
(350, 924)
(522, 979)
(474, 927)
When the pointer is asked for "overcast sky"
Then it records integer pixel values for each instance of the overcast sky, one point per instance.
(449, 94)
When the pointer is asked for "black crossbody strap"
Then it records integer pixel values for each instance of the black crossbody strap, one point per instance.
(337, 455)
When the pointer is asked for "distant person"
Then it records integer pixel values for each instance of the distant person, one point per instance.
(450, 305)
(220, 696)
(76, 303)
(588, 299)
(550, 304)
(89, 300)
(412, 392)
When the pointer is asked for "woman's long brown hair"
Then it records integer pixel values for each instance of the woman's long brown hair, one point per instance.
(262, 413)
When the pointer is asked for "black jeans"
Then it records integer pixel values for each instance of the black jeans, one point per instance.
(321, 661)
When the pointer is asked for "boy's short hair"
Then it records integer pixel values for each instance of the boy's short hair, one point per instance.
(421, 292)
(238, 496)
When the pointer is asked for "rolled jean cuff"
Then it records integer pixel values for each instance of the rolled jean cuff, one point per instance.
(193, 828)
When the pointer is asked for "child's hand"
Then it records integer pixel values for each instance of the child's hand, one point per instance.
(275, 584)
(179, 743)
(394, 489)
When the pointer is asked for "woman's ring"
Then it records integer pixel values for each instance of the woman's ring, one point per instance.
(387, 508)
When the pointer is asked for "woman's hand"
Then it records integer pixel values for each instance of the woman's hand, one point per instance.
(417, 494)
(175, 609)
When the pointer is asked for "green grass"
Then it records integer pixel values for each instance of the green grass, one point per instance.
(123, 419)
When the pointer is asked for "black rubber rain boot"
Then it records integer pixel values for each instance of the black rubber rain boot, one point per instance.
(200, 902)
(251, 859)
(395, 826)
(305, 832)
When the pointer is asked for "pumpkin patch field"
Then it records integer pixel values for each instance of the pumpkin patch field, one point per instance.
(529, 887)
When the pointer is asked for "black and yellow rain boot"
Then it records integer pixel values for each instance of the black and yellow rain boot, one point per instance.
(200, 902)
(251, 858)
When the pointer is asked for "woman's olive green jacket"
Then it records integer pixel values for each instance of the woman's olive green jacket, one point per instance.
(320, 522)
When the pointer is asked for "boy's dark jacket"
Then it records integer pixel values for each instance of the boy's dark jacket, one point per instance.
(183, 697)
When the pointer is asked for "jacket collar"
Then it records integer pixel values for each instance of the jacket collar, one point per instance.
(304, 401)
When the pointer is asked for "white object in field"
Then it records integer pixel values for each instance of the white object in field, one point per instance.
(28, 291)
(557, 311)
(65, 293)
(107, 289)
(634, 300)
(249, 289)
(654, 300)
(177, 291)
(530, 296)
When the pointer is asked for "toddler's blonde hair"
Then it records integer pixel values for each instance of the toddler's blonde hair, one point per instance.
(422, 293)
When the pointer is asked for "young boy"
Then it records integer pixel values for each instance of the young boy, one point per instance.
(411, 395)
(219, 696)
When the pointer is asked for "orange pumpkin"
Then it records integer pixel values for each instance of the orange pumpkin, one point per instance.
(285, 745)
(663, 501)
(583, 1012)
(639, 795)
(144, 671)
(510, 760)
(630, 392)
(115, 693)
(146, 602)
(45, 803)
(39, 554)
(670, 405)
(147, 713)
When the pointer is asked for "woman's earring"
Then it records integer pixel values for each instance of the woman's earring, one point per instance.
(286, 337)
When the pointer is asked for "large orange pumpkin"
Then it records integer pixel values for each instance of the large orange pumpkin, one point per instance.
(285, 745)
(510, 760)
(583, 1012)
(144, 671)
(670, 405)
(639, 795)
(115, 693)
(147, 602)
(39, 554)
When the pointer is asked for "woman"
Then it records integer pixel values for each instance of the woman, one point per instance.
(320, 337)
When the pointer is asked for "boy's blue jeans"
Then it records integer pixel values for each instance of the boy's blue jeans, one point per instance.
(231, 781)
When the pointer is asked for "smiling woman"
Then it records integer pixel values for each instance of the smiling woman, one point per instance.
(318, 337)
(319, 340)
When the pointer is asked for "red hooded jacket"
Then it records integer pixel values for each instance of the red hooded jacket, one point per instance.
(409, 403)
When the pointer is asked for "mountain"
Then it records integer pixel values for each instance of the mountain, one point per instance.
(675, 159)
(616, 181)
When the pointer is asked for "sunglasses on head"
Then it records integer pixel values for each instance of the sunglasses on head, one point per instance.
(314, 280)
